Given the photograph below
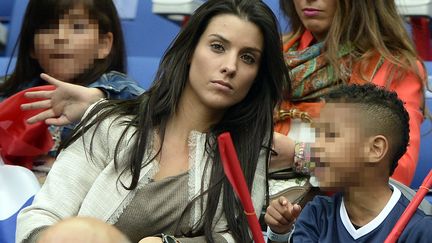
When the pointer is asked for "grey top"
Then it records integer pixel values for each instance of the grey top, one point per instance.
(142, 217)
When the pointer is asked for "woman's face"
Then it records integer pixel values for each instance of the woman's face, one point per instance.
(71, 46)
(225, 63)
(316, 15)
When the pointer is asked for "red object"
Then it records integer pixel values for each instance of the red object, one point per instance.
(185, 20)
(20, 142)
(235, 176)
(410, 210)
(421, 36)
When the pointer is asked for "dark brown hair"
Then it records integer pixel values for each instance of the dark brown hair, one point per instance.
(39, 14)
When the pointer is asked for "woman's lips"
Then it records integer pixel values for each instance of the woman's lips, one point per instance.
(222, 84)
(310, 12)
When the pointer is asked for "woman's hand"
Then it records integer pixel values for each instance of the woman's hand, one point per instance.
(284, 148)
(64, 105)
(151, 240)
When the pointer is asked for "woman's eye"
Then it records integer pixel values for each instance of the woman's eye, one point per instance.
(217, 47)
(248, 59)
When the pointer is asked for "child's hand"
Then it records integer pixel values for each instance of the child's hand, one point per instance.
(281, 215)
(64, 105)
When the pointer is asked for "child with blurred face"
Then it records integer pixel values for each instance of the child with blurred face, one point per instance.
(73, 44)
(361, 133)
(333, 42)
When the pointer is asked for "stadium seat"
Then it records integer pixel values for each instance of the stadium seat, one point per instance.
(425, 157)
(18, 185)
(148, 34)
(6, 7)
(15, 25)
(143, 69)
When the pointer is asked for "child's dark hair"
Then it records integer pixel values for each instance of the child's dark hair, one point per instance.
(42, 13)
(382, 110)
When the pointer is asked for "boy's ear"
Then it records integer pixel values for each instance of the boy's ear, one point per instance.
(377, 148)
(105, 45)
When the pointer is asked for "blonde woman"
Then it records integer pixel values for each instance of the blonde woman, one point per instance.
(336, 42)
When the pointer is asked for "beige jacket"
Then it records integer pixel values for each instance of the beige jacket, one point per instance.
(78, 185)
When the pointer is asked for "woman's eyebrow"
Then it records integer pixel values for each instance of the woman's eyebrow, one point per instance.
(223, 39)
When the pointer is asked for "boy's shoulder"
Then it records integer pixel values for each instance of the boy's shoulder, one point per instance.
(419, 227)
(322, 207)
(325, 202)
(323, 219)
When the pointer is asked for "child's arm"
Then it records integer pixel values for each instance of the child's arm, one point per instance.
(64, 105)
(280, 217)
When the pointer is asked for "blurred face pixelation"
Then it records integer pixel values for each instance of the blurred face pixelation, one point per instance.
(70, 46)
(316, 15)
(225, 62)
(340, 147)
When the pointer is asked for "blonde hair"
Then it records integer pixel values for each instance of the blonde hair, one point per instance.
(364, 24)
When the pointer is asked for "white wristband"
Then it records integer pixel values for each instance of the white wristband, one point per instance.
(279, 237)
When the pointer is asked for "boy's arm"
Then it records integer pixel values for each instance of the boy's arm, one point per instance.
(280, 217)
(307, 225)
(419, 232)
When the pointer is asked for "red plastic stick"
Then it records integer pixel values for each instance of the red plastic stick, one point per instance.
(410, 210)
(235, 176)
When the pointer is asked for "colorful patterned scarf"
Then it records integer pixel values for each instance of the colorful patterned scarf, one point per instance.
(311, 74)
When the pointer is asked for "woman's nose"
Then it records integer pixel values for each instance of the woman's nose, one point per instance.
(229, 66)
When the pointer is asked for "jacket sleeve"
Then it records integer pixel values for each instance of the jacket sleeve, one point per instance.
(118, 86)
(67, 184)
(410, 91)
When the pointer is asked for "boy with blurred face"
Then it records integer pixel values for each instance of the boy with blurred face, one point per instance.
(361, 133)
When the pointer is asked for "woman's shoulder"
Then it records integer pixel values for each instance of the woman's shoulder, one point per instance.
(112, 124)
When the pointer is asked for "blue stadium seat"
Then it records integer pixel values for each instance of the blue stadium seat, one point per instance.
(4, 61)
(425, 157)
(274, 5)
(18, 185)
(148, 34)
(15, 25)
(6, 7)
(143, 69)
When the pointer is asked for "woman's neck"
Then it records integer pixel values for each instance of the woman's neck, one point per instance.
(193, 116)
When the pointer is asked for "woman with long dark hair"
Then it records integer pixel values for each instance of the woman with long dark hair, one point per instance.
(150, 165)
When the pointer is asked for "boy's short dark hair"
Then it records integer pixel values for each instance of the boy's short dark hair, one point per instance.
(383, 113)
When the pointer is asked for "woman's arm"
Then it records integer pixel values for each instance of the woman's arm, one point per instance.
(410, 91)
(67, 184)
(284, 152)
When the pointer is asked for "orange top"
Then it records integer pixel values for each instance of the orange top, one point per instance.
(409, 90)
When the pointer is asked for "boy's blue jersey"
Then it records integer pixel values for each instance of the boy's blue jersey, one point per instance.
(325, 220)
